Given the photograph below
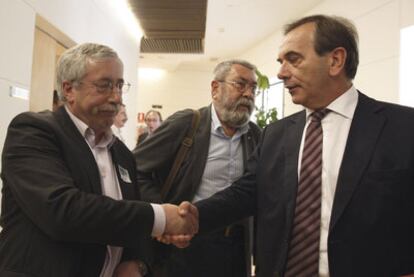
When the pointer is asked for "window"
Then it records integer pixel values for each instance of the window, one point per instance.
(272, 98)
(407, 66)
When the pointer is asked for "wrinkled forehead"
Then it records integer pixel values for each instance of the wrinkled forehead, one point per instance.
(241, 72)
(298, 40)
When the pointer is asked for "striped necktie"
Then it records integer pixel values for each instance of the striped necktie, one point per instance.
(303, 255)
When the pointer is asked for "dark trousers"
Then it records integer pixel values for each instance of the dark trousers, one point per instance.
(219, 254)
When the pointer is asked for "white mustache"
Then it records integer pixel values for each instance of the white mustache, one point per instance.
(109, 108)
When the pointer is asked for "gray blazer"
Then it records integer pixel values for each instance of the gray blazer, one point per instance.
(155, 156)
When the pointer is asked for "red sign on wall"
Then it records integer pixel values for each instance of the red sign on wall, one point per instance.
(141, 117)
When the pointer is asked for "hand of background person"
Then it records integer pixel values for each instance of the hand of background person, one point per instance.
(179, 231)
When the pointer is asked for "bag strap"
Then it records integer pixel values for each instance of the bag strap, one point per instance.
(182, 153)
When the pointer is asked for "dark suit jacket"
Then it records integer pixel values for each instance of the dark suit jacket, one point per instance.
(371, 229)
(141, 138)
(55, 220)
(155, 157)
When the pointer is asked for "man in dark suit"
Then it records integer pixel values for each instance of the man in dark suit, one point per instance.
(364, 225)
(223, 141)
(69, 185)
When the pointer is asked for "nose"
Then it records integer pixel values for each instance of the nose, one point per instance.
(249, 91)
(115, 95)
(284, 72)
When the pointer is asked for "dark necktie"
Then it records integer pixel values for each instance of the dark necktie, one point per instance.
(303, 255)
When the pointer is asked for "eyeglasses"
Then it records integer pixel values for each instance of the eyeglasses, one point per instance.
(242, 86)
(107, 86)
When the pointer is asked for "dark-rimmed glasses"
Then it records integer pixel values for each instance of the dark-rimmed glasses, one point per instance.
(241, 86)
(107, 86)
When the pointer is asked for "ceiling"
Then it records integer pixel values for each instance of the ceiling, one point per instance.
(171, 26)
(231, 28)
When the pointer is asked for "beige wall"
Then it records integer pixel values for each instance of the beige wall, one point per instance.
(378, 23)
(81, 20)
(175, 90)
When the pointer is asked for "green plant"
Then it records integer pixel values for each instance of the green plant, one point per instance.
(262, 81)
(264, 116)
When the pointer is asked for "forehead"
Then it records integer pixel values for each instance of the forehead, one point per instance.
(107, 67)
(298, 40)
(152, 115)
(238, 70)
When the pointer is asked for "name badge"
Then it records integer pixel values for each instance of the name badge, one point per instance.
(124, 174)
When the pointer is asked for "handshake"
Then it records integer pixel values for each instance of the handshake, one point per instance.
(181, 224)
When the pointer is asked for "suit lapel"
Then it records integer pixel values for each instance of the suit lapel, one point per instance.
(293, 138)
(365, 129)
(83, 151)
(124, 178)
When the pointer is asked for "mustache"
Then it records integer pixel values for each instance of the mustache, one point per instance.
(107, 108)
(245, 102)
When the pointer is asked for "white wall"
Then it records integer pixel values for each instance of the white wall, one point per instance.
(82, 21)
(175, 90)
(378, 23)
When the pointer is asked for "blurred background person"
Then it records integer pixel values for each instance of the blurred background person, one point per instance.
(119, 121)
(153, 120)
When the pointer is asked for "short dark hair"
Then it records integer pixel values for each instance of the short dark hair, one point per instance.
(332, 32)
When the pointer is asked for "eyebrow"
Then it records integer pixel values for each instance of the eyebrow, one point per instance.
(110, 80)
(246, 80)
(289, 55)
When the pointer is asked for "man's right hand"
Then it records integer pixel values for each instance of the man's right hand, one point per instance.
(181, 224)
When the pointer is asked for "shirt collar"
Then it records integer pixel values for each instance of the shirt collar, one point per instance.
(344, 105)
(217, 127)
(89, 135)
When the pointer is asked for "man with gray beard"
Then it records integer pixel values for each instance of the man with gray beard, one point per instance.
(224, 140)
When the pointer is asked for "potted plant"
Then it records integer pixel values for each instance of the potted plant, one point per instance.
(264, 116)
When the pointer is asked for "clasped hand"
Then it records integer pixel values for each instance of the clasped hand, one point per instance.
(181, 224)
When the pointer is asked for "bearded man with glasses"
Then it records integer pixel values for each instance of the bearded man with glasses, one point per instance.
(222, 144)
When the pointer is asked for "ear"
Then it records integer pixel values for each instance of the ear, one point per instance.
(214, 89)
(337, 61)
(67, 90)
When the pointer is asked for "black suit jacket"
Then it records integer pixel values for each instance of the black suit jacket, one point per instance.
(55, 220)
(141, 139)
(371, 229)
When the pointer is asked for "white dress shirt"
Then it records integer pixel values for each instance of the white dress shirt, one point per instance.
(335, 125)
(224, 163)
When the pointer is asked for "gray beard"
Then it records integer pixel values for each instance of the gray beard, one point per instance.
(235, 119)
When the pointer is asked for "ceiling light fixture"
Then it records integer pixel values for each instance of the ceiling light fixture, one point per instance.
(148, 73)
(123, 11)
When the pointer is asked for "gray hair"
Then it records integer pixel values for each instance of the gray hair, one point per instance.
(222, 69)
(71, 66)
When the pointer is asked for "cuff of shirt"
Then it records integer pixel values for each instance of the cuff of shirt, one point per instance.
(159, 220)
